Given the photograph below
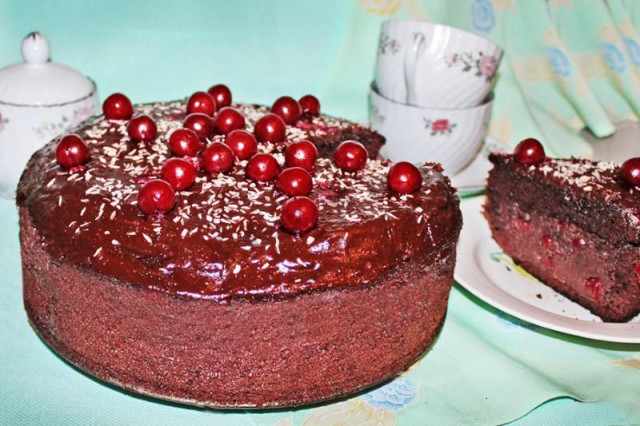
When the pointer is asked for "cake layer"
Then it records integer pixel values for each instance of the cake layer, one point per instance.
(579, 264)
(293, 351)
(223, 238)
(583, 243)
(587, 193)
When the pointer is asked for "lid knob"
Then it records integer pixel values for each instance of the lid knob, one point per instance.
(35, 48)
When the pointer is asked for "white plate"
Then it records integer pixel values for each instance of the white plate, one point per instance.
(484, 270)
(473, 178)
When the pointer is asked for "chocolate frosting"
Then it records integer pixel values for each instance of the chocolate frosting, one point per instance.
(223, 239)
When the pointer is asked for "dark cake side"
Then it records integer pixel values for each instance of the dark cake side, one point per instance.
(573, 225)
(242, 354)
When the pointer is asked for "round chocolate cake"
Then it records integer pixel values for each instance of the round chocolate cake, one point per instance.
(217, 300)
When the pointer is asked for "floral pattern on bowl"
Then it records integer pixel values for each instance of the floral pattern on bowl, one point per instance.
(53, 129)
(441, 126)
(388, 45)
(480, 64)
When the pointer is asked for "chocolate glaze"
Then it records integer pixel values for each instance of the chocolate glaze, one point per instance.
(223, 239)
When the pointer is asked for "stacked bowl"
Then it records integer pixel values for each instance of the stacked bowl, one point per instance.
(431, 97)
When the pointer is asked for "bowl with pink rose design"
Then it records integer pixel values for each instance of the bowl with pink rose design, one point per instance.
(451, 137)
(433, 65)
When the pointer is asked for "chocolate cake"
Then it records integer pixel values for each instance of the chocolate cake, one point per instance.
(572, 223)
(215, 302)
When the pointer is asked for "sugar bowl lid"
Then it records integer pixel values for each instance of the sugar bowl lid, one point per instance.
(39, 82)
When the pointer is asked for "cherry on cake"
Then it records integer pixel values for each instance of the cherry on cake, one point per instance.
(572, 223)
(233, 265)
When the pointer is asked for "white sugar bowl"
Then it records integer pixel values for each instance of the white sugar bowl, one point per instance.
(39, 100)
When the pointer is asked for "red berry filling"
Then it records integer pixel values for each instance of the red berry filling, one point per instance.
(594, 285)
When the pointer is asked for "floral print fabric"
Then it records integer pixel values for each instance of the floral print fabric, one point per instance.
(568, 65)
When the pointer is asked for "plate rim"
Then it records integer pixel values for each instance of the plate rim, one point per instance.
(483, 287)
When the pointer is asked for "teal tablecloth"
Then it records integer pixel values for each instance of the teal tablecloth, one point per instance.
(485, 368)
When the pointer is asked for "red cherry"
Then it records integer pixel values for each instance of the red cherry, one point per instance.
(117, 107)
(180, 173)
(301, 154)
(242, 143)
(156, 196)
(227, 120)
(310, 105)
(184, 142)
(594, 285)
(295, 181)
(350, 156)
(529, 152)
(263, 167)
(221, 94)
(404, 178)
(270, 128)
(299, 214)
(578, 242)
(201, 102)
(217, 158)
(142, 128)
(72, 151)
(287, 108)
(199, 123)
(630, 171)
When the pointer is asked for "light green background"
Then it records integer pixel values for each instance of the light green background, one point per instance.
(156, 50)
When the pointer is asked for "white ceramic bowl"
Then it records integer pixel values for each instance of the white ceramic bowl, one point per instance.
(433, 65)
(451, 137)
(39, 100)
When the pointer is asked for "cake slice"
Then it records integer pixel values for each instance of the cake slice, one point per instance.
(572, 223)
